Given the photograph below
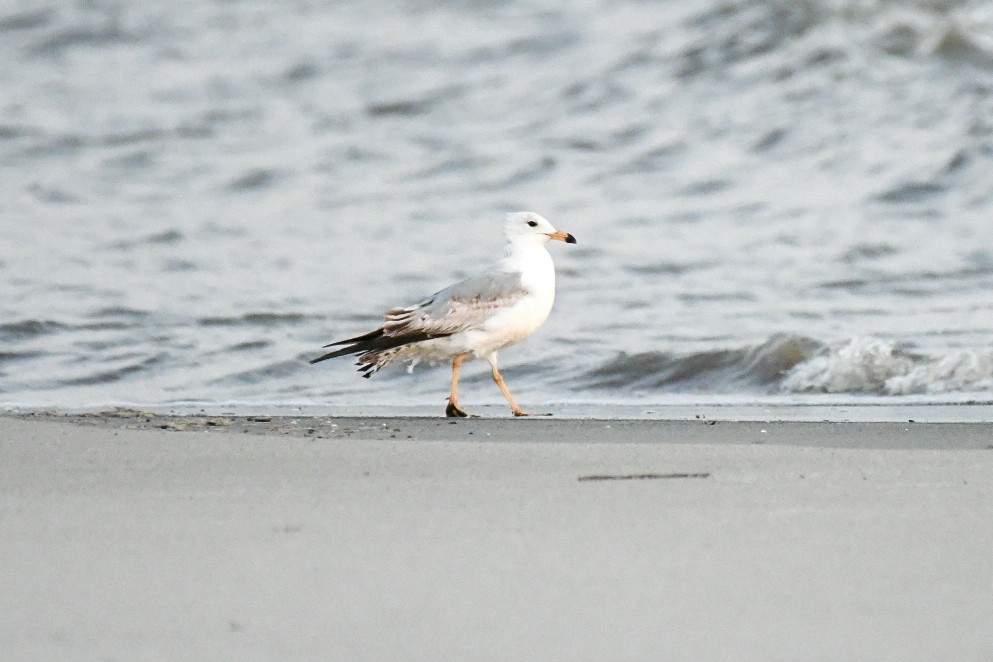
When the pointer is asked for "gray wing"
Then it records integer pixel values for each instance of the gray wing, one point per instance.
(460, 307)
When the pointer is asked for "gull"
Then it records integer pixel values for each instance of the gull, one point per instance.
(473, 318)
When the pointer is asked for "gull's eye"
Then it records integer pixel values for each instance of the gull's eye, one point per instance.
(533, 224)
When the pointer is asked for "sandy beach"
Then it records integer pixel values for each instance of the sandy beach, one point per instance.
(132, 536)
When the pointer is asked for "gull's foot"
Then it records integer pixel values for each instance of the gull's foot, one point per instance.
(521, 412)
(454, 411)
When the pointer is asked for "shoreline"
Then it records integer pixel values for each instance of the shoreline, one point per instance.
(868, 410)
(871, 434)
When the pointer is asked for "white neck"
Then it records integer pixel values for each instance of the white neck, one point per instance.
(534, 262)
(524, 245)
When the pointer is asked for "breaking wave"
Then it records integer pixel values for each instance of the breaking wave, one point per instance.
(875, 366)
(789, 363)
(761, 366)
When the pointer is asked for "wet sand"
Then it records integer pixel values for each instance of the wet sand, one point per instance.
(143, 536)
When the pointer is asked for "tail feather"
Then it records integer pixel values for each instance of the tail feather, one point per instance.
(372, 343)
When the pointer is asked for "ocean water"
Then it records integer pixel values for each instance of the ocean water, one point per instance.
(774, 199)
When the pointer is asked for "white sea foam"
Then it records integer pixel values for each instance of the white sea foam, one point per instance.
(874, 365)
(958, 371)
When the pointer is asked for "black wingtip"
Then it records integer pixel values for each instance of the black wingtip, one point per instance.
(351, 349)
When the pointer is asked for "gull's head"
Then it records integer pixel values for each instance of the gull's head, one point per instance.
(526, 227)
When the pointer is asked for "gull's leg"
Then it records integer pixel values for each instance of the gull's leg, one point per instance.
(453, 409)
(498, 378)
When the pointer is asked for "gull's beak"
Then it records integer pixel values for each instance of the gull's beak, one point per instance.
(563, 236)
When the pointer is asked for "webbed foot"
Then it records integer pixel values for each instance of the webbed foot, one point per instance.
(454, 411)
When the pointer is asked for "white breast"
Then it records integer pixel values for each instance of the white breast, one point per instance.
(523, 318)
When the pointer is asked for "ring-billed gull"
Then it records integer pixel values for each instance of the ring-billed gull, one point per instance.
(473, 318)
